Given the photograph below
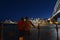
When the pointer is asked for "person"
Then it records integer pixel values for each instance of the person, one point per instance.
(28, 24)
(24, 27)
(21, 28)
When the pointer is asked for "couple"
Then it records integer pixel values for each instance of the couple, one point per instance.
(24, 27)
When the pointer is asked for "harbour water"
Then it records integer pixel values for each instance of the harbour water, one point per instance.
(10, 32)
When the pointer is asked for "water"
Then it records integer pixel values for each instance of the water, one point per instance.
(10, 32)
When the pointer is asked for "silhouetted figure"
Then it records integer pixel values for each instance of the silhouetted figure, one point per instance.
(28, 24)
(21, 29)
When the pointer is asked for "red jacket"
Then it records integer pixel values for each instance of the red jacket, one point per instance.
(20, 25)
(23, 25)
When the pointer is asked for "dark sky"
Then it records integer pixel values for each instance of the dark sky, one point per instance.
(15, 9)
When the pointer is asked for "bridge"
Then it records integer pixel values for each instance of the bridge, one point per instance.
(56, 11)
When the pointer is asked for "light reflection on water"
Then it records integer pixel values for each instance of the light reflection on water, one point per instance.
(34, 31)
(50, 29)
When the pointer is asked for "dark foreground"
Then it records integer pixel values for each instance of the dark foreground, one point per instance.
(10, 32)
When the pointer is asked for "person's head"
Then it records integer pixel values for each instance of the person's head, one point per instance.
(22, 18)
(26, 18)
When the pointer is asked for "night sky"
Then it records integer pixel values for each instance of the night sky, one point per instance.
(15, 9)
